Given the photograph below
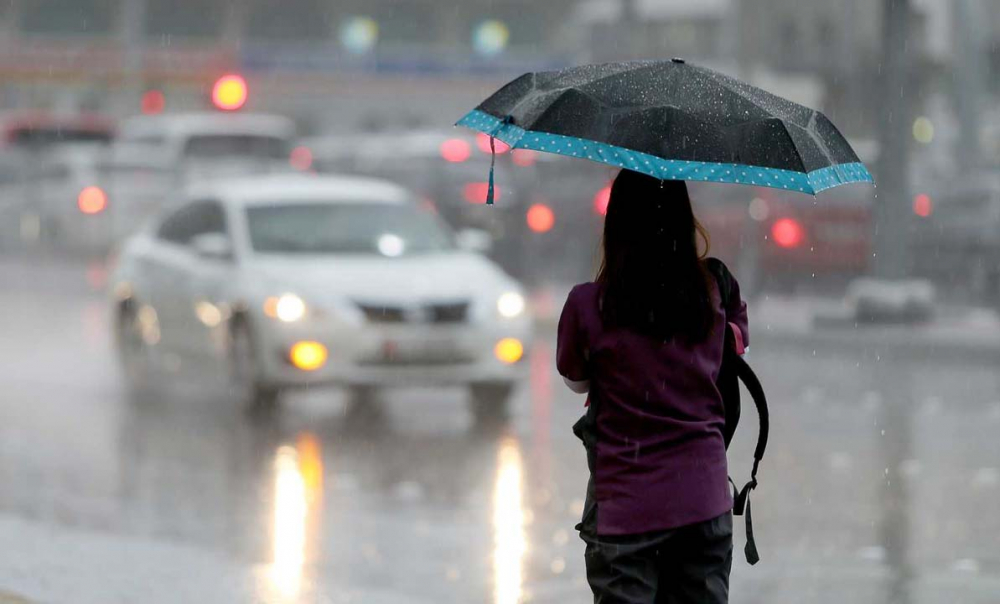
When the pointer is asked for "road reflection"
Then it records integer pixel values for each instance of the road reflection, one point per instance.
(298, 494)
(262, 490)
(509, 542)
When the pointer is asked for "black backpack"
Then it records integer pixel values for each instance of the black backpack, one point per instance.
(733, 371)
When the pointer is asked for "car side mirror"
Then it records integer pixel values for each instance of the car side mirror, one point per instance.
(212, 246)
(474, 240)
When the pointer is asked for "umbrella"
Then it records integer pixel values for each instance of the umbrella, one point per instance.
(670, 120)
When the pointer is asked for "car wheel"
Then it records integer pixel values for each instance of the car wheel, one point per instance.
(244, 372)
(364, 407)
(490, 402)
(135, 355)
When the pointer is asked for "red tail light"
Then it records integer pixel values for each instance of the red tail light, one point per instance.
(92, 200)
(455, 150)
(524, 157)
(787, 233)
(601, 200)
(475, 192)
(427, 204)
(301, 158)
(923, 206)
(540, 218)
(483, 142)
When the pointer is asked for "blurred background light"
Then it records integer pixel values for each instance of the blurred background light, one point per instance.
(601, 200)
(524, 157)
(923, 130)
(787, 232)
(923, 206)
(490, 37)
(301, 158)
(153, 102)
(540, 218)
(483, 142)
(455, 150)
(92, 200)
(359, 35)
(229, 92)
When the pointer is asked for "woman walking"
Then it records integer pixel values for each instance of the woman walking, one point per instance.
(645, 341)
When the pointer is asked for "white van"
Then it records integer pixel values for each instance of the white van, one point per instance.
(198, 146)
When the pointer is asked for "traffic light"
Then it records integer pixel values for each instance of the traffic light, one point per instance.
(229, 92)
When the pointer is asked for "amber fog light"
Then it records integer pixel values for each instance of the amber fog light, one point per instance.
(509, 350)
(308, 356)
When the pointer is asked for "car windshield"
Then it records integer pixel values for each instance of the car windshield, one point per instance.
(236, 145)
(349, 228)
(44, 136)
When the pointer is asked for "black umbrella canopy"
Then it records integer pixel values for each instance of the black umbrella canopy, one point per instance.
(671, 120)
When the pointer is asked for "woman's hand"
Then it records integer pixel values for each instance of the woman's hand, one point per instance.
(582, 387)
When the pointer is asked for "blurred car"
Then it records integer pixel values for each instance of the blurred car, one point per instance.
(778, 239)
(75, 197)
(447, 169)
(198, 146)
(955, 236)
(298, 280)
(11, 200)
(36, 130)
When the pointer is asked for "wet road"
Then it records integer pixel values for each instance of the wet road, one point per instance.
(880, 483)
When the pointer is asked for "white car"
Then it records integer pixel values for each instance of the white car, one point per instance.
(81, 198)
(298, 280)
(206, 145)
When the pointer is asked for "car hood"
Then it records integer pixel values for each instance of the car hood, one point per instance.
(370, 278)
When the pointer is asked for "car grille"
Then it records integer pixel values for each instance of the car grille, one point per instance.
(448, 313)
(457, 312)
(383, 314)
(464, 359)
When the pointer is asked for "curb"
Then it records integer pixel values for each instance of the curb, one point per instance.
(930, 344)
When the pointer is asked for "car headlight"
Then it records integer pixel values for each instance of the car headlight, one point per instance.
(510, 305)
(286, 307)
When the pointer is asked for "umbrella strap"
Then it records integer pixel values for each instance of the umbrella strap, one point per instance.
(493, 156)
(493, 162)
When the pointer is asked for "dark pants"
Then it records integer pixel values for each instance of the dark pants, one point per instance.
(685, 565)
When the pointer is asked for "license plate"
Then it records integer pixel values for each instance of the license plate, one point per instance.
(420, 351)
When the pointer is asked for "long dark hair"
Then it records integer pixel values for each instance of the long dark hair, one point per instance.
(653, 277)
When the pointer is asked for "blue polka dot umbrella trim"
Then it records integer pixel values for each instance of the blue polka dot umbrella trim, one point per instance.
(667, 169)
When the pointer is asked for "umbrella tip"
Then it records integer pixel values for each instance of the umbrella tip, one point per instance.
(678, 60)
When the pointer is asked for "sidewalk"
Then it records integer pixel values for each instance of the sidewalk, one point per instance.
(814, 324)
(57, 563)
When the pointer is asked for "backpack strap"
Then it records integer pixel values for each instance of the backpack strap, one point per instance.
(741, 500)
(741, 497)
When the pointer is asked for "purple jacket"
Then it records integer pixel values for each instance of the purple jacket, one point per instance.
(660, 460)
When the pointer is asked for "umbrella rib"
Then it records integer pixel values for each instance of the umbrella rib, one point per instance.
(631, 70)
(562, 92)
(727, 83)
(784, 129)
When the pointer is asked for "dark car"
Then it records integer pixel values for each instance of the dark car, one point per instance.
(780, 240)
(955, 237)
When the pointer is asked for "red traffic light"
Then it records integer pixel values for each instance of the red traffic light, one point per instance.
(229, 92)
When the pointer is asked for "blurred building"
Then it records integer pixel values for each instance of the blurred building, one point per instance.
(300, 56)
(382, 62)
